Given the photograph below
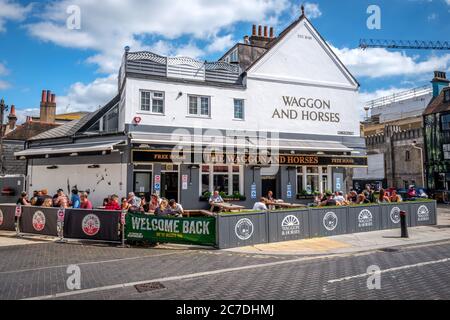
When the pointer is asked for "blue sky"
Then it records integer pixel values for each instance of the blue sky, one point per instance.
(80, 66)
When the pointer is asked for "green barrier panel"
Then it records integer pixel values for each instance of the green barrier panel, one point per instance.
(199, 231)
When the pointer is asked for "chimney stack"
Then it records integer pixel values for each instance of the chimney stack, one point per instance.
(265, 32)
(48, 107)
(254, 30)
(439, 82)
(262, 38)
(12, 118)
(271, 33)
(259, 31)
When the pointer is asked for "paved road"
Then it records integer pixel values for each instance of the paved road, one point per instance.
(40, 271)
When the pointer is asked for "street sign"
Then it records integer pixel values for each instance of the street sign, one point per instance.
(289, 191)
(61, 214)
(18, 211)
(253, 192)
(185, 179)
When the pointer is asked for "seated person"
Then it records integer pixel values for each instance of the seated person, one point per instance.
(163, 209)
(124, 204)
(48, 203)
(412, 192)
(75, 199)
(330, 201)
(261, 205)
(113, 205)
(383, 198)
(85, 203)
(134, 202)
(352, 196)
(362, 199)
(318, 199)
(395, 197)
(155, 201)
(340, 197)
(144, 204)
(215, 198)
(23, 200)
(176, 208)
(270, 197)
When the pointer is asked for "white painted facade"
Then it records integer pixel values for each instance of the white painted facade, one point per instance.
(104, 181)
(300, 65)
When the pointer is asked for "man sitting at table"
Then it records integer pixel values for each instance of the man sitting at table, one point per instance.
(215, 198)
(177, 209)
(261, 205)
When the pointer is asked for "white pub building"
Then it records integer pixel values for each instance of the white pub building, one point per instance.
(275, 113)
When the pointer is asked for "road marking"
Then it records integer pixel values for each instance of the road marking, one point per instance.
(417, 265)
(184, 277)
(90, 263)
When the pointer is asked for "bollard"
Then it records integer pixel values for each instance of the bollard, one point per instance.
(122, 228)
(403, 224)
(18, 215)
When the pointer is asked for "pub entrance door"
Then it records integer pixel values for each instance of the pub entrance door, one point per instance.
(269, 183)
(169, 185)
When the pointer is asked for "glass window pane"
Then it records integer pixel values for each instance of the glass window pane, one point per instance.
(204, 106)
(325, 170)
(312, 183)
(313, 170)
(236, 184)
(205, 168)
(300, 186)
(205, 183)
(193, 105)
(219, 169)
(221, 183)
(145, 101)
(299, 169)
(325, 183)
(158, 106)
(238, 109)
(236, 169)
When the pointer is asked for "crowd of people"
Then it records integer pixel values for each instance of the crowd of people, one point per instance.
(80, 200)
(367, 196)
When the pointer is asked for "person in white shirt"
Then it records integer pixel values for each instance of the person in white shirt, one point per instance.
(261, 205)
(339, 197)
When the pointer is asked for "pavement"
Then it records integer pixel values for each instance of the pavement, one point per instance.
(358, 242)
(418, 269)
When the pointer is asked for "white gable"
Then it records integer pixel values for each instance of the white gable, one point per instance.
(302, 56)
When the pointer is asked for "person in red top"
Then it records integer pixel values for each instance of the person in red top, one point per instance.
(113, 205)
(85, 203)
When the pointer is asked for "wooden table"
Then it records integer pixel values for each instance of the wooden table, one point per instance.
(197, 213)
(284, 205)
(227, 207)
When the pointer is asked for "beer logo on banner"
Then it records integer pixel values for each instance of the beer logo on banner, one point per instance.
(423, 214)
(38, 221)
(395, 215)
(91, 225)
(244, 229)
(1, 217)
(330, 221)
(290, 226)
(365, 219)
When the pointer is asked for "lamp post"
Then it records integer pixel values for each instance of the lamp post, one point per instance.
(414, 145)
(3, 108)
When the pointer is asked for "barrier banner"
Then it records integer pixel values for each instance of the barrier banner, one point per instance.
(201, 231)
(42, 221)
(7, 218)
(92, 225)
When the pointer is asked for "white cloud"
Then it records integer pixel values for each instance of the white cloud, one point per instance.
(88, 97)
(221, 44)
(108, 27)
(4, 85)
(10, 10)
(433, 16)
(312, 10)
(377, 63)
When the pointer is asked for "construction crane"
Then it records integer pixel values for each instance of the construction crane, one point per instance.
(404, 44)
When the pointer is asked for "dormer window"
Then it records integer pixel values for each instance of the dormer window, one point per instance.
(447, 95)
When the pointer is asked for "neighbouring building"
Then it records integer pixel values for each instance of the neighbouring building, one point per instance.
(437, 136)
(394, 139)
(15, 135)
(274, 113)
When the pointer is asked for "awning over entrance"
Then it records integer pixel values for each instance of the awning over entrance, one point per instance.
(69, 149)
(237, 142)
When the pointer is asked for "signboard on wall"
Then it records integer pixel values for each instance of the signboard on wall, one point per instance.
(185, 179)
(144, 156)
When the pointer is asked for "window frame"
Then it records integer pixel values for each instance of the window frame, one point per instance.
(199, 106)
(152, 92)
(242, 111)
(230, 175)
